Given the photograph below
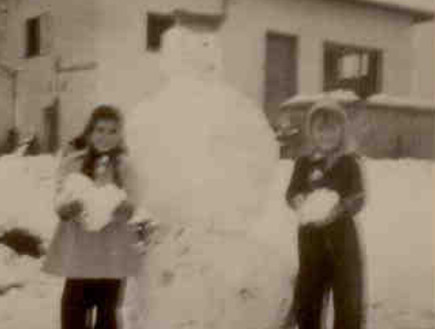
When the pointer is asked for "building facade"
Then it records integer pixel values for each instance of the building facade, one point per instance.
(73, 55)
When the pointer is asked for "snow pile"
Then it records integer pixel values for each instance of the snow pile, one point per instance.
(208, 166)
(99, 202)
(28, 298)
(16, 271)
(203, 151)
(238, 279)
(317, 206)
(27, 193)
(398, 230)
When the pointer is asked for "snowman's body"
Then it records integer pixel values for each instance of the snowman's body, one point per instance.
(205, 160)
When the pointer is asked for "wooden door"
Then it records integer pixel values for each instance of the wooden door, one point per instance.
(280, 72)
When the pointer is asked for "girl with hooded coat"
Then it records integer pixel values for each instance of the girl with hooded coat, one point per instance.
(94, 262)
(330, 255)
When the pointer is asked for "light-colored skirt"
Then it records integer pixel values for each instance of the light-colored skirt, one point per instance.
(77, 253)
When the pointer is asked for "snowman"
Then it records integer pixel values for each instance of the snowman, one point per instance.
(205, 160)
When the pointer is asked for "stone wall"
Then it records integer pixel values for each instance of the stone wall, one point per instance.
(381, 131)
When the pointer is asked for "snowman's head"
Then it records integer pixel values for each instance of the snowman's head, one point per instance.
(191, 53)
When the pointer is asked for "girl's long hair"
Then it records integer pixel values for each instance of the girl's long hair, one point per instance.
(81, 142)
(331, 107)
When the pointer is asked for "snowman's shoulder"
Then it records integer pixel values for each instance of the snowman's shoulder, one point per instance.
(129, 177)
(126, 169)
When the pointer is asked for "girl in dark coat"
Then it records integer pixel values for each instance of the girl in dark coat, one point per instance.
(330, 255)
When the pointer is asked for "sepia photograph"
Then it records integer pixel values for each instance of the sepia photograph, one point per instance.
(217, 164)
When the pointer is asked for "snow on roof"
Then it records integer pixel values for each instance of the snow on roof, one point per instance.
(348, 97)
(421, 10)
(401, 102)
(342, 96)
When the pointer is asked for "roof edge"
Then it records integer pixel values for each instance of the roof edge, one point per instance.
(418, 13)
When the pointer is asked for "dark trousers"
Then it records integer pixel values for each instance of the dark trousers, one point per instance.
(330, 260)
(81, 296)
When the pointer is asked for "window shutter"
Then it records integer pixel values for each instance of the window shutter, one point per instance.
(157, 24)
(330, 62)
(32, 45)
(353, 68)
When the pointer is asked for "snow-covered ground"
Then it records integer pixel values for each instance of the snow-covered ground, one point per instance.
(397, 227)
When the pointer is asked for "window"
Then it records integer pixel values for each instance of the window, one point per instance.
(38, 31)
(353, 68)
(32, 37)
(157, 24)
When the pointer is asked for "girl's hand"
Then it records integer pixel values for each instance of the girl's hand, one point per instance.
(146, 235)
(144, 230)
(124, 211)
(70, 210)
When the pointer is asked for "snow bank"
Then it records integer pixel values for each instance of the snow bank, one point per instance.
(397, 227)
(28, 298)
(27, 192)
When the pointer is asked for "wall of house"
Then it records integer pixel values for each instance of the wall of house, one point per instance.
(424, 63)
(34, 75)
(39, 83)
(121, 47)
(380, 131)
(313, 22)
(6, 84)
(112, 34)
(6, 105)
(75, 25)
(127, 72)
(243, 38)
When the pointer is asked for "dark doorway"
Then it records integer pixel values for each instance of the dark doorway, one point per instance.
(51, 127)
(280, 72)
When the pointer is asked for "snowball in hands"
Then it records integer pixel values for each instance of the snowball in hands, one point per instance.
(99, 202)
(317, 206)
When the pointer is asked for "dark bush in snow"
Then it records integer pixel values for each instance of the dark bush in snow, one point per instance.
(23, 242)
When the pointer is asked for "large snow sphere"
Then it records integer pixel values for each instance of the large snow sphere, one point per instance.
(206, 154)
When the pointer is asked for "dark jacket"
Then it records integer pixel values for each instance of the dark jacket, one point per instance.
(344, 176)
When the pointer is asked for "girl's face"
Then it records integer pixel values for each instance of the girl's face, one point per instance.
(327, 134)
(106, 135)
